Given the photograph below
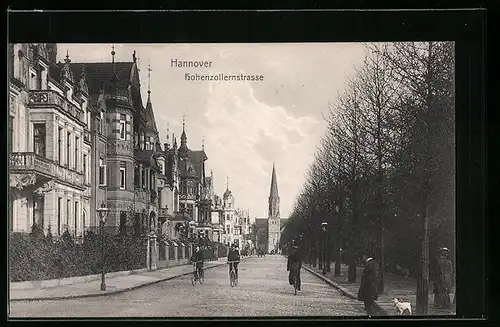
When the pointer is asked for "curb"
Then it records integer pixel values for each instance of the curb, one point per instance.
(123, 290)
(342, 290)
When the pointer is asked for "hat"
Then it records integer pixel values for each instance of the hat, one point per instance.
(444, 249)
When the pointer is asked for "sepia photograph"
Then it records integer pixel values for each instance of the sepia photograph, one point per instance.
(168, 180)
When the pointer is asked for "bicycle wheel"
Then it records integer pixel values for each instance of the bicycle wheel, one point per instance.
(231, 279)
(193, 279)
(202, 277)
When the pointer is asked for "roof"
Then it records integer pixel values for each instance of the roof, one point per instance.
(146, 156)
(99, 74)
(273, 193)
(197, 158)
(228, 193)
(149, 116)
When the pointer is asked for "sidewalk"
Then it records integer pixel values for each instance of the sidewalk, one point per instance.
(395, 286)
(114, 285)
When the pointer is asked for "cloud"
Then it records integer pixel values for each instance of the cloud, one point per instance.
(246, 126)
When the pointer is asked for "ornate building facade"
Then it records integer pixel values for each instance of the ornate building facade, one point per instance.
(81, 137)
(49, 141)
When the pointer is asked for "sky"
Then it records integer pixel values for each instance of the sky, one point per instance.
(245, 125)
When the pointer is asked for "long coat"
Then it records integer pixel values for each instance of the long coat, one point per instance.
(294, 260)
(369, 282)
(444, 275)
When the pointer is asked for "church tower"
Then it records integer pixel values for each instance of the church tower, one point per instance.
(273, 215)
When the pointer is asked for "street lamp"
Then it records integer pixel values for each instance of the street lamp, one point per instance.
(324, 226)
(103, 212)
(338, 260)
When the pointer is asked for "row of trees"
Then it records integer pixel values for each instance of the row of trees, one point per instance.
(383, 175)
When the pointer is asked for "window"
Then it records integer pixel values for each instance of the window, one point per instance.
(76, 153)
(68, 149)
(60, 136)
(85, 168)
(98, 125)
(89, 116)
(148, 142)
(122, 127)
(39, 139)
(68, 213)
(123, 222)
(122, 176)
(59, 215)
(76, 219)
(137, 176)
(84, 216)
(11, 133)
(43, 79)
(102, 172)
(101, 123)
(143, 177)
(38, 202)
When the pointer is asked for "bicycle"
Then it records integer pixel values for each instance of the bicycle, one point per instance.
(233, 278)
(194, 277)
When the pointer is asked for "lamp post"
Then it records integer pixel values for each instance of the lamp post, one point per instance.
(324, 226)
(338, 259)
(103, 212)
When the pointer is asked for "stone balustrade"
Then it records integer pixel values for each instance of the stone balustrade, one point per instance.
(47, 98)
(28, 161)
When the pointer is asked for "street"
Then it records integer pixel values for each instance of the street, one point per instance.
(263, 290)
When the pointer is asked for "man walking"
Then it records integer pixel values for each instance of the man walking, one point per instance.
(442, 283)
(368, 290)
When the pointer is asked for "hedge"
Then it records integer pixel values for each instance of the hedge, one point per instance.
(37, 257)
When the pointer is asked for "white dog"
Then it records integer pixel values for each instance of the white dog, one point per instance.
(402, 306)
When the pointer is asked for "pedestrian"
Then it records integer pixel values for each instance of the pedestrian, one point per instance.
(442, 282)
(368, 290)
(294, 264)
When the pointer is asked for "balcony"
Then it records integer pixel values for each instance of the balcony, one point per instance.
(49, 98)
(26, 162)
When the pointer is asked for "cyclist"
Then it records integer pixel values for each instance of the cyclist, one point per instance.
(233, 255)
(198, 258)
(293, 265)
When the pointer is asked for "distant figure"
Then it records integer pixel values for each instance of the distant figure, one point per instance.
(442, 282)
(368, 292)
(294, 264)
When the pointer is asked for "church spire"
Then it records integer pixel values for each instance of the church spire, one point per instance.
(273, 194)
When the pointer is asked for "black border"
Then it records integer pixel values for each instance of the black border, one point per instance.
(466, 27)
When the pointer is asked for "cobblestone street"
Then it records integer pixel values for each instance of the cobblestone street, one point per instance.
(263, 290)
